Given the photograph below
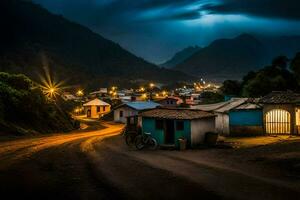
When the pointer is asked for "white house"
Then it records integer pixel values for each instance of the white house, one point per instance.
(96, 108)
(221, 111)
(132, 109)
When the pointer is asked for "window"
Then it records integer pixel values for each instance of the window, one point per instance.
(104, 108)
(121, 113)
(167, 102)
(98, 108)
(179, 125)
(159, 124)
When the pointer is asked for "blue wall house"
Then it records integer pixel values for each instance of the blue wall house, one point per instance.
(238, 116)
(246, 119)
(168, 125)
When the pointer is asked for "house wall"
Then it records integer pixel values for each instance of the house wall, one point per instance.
(168, 102)
(246, 122)
(291, 108)
(126, 113)
(94, 113)
(198, 129)
(222, 123)
(148, 125)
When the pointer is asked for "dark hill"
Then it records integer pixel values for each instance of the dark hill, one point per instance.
(233, 58)
(180, 56)
(226, 58)
(31, 37)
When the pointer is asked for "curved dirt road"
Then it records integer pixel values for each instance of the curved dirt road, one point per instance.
(82, 166)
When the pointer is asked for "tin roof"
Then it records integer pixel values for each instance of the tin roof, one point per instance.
(170, 113)
(281, 97)
(140, 105)
(96, 102)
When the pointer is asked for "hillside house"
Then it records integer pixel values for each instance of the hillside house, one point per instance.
(129, 109)
(167, 125)
(170, 101)
(96, 108)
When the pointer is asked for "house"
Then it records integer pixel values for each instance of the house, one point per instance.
(96, 108)
(129, 109)
(238, 116)
(281, 113)
(167, 125)
(170, 101)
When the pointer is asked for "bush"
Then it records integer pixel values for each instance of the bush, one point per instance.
(24, 105)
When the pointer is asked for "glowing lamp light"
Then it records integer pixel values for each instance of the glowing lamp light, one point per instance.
(79, 93)
(151, 85)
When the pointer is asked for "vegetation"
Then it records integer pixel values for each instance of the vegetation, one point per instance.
(281, 75)
(24, 109)
(211, 97)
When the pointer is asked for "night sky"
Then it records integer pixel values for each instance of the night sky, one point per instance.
(156, 29)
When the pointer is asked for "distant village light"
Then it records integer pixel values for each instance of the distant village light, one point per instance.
(151, 85)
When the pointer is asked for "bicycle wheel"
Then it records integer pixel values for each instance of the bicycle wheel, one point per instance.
(153, 145)
(129, 139)
(139, 142)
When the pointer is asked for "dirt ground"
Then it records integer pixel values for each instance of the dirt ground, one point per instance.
(96, 164)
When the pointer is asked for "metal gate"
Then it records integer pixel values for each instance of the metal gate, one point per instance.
(278, 121)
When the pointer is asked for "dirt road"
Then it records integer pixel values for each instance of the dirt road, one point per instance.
(82, 165)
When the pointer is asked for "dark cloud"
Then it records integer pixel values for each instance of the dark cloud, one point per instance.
(155, 29)
(285, 9)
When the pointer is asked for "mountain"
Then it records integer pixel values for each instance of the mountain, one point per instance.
(226, 58)
(180, 56)
(32, 38)
(233, 58)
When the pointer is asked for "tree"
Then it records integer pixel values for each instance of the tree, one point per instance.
(231, 87)
(295, 66)
(268, 79)
(280, 61)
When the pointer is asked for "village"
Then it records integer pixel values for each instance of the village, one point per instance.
(150, 100)
(182, 114)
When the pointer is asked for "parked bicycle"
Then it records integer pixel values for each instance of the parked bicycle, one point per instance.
(130, 137)
(145, 140)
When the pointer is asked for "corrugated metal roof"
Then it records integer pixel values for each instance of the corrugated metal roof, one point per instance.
(140, 105)
(223, 106)
(96, 102)
(169, 113)
(233, 103)
(248, 106)
(209, 107)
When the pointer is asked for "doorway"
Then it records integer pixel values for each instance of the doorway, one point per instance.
(169, 132)
(88, 113)
(278, 121)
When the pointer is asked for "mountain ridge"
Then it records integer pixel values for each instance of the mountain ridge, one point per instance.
(34, 38)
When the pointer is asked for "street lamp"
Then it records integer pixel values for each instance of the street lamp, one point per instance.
(79, 93)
